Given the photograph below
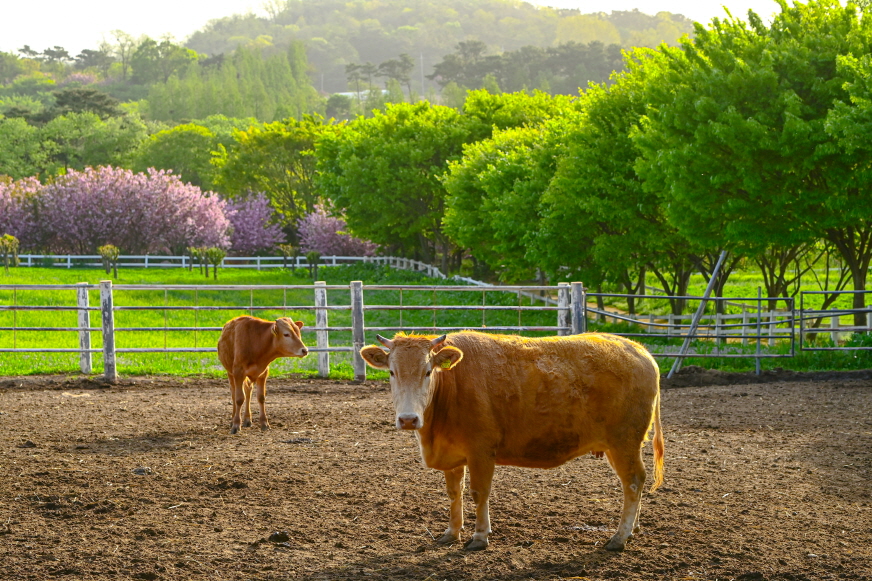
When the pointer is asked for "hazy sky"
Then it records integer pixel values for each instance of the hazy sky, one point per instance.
(78, 24)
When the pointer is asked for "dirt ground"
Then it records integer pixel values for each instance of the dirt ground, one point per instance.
(766, 478)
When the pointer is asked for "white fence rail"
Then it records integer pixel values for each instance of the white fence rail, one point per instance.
(722, 332)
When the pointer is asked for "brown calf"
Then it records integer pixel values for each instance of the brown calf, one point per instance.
(478, 400)
(246, 348)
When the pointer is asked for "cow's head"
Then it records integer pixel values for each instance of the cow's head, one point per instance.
(412, 362)
(288, 339)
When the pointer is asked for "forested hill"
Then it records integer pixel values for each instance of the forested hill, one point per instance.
(338, 33)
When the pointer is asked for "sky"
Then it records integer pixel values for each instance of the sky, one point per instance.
(80, 24)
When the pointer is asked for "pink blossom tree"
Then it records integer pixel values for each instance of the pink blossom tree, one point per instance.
(253, 228)
(320, 232)
(148, 212)
(17, 199)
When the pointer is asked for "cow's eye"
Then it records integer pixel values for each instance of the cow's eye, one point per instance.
(287, 334)
(392, 372)
(429, 371)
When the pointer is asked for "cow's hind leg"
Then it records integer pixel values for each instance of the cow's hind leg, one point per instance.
(631, 470)
(454, 485)
(261, 399)
(481, 474)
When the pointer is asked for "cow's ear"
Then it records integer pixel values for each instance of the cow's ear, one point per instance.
(447, 357)
(275, 329)
(375, 356)
(299, 324)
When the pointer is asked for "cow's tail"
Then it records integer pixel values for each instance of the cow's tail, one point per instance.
(657, 443)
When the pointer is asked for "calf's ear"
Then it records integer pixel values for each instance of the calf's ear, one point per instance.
(447, 357)
(375, 356)
(299, 324)
(275, 329)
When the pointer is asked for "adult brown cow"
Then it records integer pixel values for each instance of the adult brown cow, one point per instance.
(478, 400)
(246, 348)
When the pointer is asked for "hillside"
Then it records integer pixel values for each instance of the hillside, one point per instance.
(338, 33)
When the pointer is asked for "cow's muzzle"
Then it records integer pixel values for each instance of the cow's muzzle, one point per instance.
(409, 422)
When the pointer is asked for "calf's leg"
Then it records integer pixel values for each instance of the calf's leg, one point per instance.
(454, 485)
(237, 382)
(261, 399)
(246, 405)
(631, 470)
(481, 473)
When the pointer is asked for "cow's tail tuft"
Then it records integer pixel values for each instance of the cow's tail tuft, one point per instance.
(659, 448)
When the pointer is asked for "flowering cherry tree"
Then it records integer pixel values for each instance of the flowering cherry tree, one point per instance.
(252, 228)
(16, 210)
(320, 232)
(148, 212)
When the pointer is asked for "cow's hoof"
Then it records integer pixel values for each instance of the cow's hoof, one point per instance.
(246, 424)
(234, 429)
(475, 545)
(447, 539)
(265, 427)
(615, 544)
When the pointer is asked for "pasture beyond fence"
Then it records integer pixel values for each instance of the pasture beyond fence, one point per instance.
(355, 312)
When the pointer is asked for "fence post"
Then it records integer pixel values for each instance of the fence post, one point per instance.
(84, 328)
(563, 313)
(323, 337)
(579, 308)
(357, 330)
(108, 315)
(745, 321)
(835, 334)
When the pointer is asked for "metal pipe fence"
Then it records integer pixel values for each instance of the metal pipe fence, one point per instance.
(355, 310)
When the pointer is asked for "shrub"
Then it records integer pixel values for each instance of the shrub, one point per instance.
(16, 210)
(253, 229)
(151, 212)
(320, 232)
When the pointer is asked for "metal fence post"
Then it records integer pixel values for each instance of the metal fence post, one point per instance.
(323, 337)
(563, 314)
(579, 308)
(357, 330)
(84, 327)
(108, 315)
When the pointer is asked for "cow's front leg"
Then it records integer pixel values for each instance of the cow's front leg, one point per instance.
(631, 471)
(454, 485)
(481, 474)
(261, 399)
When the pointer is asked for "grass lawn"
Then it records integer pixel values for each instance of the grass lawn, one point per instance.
(271, 303)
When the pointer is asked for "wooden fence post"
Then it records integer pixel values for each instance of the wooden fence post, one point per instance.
(563, 313)
(323, 337)
(836, 336)
(357, 330)
(108, 316)
(745, 322)
(85, 365)
(579, 308)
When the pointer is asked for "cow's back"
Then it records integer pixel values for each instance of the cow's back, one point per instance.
(540, 402)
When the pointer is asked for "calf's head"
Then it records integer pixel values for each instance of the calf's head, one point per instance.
(412, 362)
(287, 338)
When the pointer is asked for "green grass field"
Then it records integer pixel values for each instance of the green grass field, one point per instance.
(283, 303)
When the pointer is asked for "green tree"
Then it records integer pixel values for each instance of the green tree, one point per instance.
(382, 173)
(277, 159)
(22, 154)
(736, 138)
(184, 149)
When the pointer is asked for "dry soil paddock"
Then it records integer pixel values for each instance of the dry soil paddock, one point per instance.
(143, 481)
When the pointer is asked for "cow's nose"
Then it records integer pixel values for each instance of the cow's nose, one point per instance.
(408, 422)
(304, 351)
